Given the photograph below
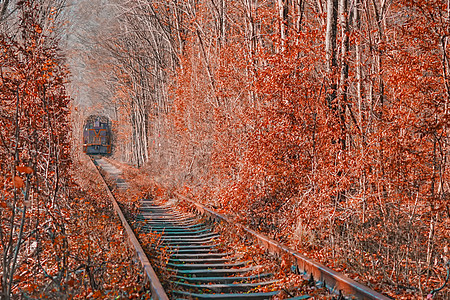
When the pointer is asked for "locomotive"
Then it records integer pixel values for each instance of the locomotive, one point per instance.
(97, 136)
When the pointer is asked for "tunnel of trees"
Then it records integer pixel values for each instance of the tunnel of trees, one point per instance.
(322, 123)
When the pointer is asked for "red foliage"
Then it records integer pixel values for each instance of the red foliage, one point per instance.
(18, 182)
(363, 179)
(264, 123)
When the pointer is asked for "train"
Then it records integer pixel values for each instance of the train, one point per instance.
(97, 136)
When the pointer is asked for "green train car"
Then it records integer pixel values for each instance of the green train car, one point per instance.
(97, 136)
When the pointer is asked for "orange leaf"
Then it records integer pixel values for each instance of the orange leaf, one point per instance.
(18, 182)
(97, 294)
(26, 170)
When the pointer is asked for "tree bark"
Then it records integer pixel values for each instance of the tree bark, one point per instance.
(3, 10)
(283, 13)
(330, 48)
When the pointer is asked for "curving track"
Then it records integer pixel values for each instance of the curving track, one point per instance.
(200, 268)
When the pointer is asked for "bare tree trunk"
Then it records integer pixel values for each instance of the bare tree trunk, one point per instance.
(3, 10)
(299, 7)
(430, 243)
(379, 15)
(253, 38)
(357, 26)
(223, 18)
(343, 84)
(330, 48)
(283, 12)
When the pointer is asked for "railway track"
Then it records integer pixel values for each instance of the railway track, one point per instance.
(199, 267)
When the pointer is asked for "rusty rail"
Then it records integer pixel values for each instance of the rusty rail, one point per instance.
(309, 267)
(155, 285)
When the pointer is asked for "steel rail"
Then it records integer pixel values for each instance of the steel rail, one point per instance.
(305, 265)
(155, 285)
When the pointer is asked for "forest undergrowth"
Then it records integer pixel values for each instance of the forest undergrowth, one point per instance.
(115, 272)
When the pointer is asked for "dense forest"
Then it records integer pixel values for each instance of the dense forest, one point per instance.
(322, 123)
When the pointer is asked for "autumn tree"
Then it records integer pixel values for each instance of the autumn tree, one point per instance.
(34, 135)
